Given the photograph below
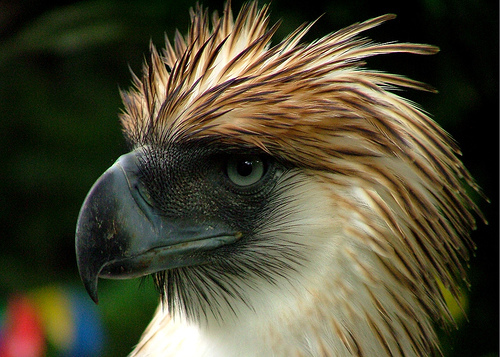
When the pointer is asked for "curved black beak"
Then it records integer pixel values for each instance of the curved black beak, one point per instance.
(120, 235)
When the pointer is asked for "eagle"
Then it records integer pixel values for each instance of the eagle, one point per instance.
(285, 200)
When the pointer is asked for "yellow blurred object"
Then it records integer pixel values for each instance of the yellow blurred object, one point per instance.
(55, 311)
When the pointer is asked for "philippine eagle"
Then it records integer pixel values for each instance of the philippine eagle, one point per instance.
(285, 200)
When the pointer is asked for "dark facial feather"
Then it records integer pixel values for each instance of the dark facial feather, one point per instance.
(263, 254)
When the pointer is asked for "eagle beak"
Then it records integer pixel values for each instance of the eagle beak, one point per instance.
(121, 235)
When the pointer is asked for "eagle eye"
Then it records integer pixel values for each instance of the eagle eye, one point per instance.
(244, 171)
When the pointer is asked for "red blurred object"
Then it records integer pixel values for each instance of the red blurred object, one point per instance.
(22, 334)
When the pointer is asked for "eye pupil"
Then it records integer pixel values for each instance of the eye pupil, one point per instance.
(245, 171)
(244, 167)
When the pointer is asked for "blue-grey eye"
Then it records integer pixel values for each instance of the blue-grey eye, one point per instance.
(244, 171)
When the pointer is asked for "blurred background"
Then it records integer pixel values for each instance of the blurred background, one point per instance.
(61, 66)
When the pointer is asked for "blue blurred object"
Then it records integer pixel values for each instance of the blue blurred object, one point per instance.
(89, 333)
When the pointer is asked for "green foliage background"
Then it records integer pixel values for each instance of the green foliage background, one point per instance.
(62, 63)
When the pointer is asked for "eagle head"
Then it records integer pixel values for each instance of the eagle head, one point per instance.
(285, 200)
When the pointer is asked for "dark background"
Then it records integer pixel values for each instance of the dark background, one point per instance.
(63, 62)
